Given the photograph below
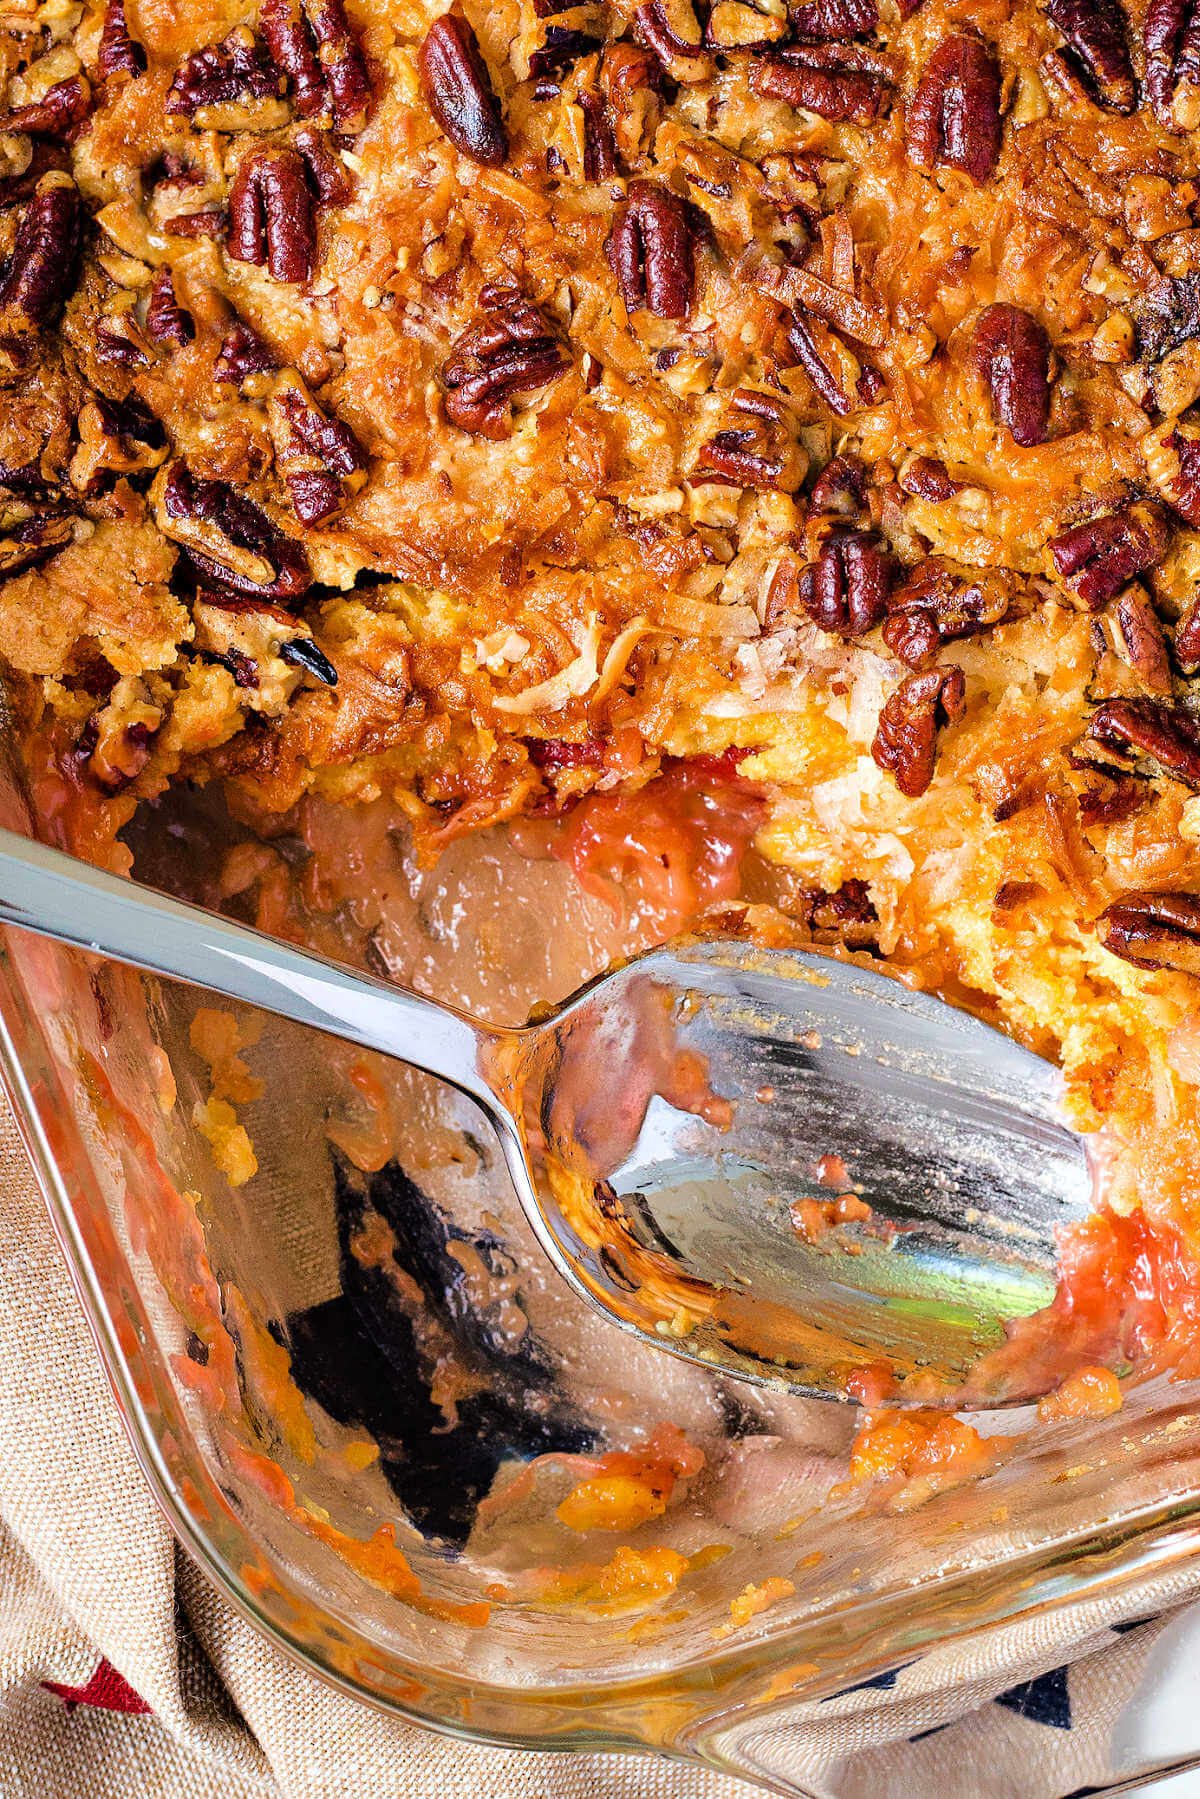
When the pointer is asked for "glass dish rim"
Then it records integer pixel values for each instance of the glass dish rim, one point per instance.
(1097, 1560)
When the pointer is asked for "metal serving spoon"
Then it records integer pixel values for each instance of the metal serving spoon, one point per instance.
(664, 1126)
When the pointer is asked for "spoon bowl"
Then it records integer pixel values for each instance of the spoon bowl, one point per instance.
(783, 1165)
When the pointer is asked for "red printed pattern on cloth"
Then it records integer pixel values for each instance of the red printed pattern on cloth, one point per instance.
(107, 1690)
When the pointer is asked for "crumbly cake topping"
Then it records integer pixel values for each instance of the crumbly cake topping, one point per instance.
(476, 406)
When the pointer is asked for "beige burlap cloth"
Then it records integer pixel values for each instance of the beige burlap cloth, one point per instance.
(125, 1676)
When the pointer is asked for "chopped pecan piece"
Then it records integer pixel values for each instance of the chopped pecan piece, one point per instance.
(562, 43)
(459, 93)
(756, 445)
(321, 460)
(954, 118)
(844, 81)
(40, 274)
(271, 214)
(1143, 641)
(1012, 354)
(509, 352)
(1172, 458)
(1111, 797)
(846, 590)
(119, 53)
(845, 381)
(59, 112)
(672, 32)
(115, 749)
(234, 69)
(1169, 315)
(1101, 557)
(1154, 930)
(631, 80)
(167, 322)
(211, 221)
(936, 604)
(313, 44)
(1187, 638)
(242, 353)
(835, 20)
(733, 25)
(26, 542)
(599, 144)
(229, 541)
(1095, 32)
(841, 487)
(305, 653)
(652, 252)
(1167, 733)
(928, 478)
(906, 741)
(1171, 34)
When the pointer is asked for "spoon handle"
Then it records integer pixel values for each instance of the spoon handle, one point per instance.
(58, 896)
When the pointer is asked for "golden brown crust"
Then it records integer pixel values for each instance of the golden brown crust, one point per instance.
(654, 378)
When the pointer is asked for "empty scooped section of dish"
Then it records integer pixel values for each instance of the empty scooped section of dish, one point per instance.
(395, 1436)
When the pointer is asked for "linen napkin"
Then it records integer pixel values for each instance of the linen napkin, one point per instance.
(124, 1675)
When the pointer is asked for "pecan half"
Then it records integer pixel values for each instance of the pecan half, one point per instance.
(320, 459)
(511, 351)
(906, 742)
(1101, 557)
(167, 322)
(835, 20)
(459, 93)
(1143, 641)
(242, 353)
(271, 214)
(1171, 34)
(756, 445)
(844, 380)
(41, 269)
(228, 540)
(234, 69)
(652, 252)
(937, 604)
(119, 53)
(954, 118)
(1167, 733)
(61, 109)
(313, 44)
(1095, 34)
(672, 32)
(842, 81)
(1154, 930)
(1012, 353)
(846, 590)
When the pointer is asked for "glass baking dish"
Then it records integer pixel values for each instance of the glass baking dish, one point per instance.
(322, 1381)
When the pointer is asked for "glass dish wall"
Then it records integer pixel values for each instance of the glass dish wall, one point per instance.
(360, 1397)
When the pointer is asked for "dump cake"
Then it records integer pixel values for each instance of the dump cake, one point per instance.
(753, 443)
